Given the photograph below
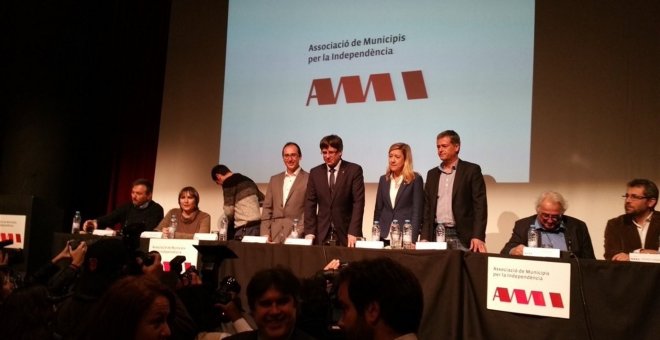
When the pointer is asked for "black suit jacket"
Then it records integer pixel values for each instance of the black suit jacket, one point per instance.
(576, 234)
(468, 202)
(409, 205)
(344, 207)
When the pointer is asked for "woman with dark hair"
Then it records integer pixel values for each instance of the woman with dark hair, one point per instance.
(400, 194)
(190, 219)
(135, 307)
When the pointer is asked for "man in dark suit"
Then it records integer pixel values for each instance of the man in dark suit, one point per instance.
(556, 230)
(636, 231)
(455, 197)
(335, 197)
(285, 197)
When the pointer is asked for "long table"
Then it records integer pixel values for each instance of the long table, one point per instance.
(608, 300)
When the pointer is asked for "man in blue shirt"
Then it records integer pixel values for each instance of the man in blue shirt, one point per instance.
(555, 229)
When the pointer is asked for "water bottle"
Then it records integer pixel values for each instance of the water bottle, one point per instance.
(532, 237)
(173, 225)
(407, 234)
(440, 233)
(294, 229)
(75, 226)
(395, 235)
(375, 231)
(222, 229)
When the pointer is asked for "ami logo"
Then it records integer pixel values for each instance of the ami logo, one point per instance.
(9, 236)
(380, 83)
(521, 297)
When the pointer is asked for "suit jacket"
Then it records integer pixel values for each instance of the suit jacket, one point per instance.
(576, 234)
(254, 335)
(277, 216)
(409, 205)
(468, 202)
(344, 207)
(621, 235)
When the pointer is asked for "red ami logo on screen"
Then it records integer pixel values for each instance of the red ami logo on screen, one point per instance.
(520, 296)
(381, 85)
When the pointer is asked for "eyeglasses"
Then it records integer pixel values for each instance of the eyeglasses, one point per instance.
(550, 217)
(633, 197)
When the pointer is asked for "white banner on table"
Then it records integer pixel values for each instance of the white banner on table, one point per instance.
(12, 227)
(541, 252)
(529, 287)
(170, 248)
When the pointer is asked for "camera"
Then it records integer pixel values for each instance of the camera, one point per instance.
(227, 286)
(147, 259)
(73, 243)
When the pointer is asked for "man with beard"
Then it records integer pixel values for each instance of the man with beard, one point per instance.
(273, 296)
(141, 211)
(638, 229)
(380, 300)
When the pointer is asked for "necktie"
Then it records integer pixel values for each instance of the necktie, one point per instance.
(332, 179)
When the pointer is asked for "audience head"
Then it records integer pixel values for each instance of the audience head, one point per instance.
(141, 192)
(379, 297)
(331, 149)
(291, 155)
(135, 307)
(448, 144)
(550, 206)
(105, 262)
(27, 313)
(189, 199)
(400, 162)
(220, 173)
(641, 197)
(273, 296)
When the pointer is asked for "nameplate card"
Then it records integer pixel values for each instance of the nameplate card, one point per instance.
(370, 244)
(431, 245)
(641, 257)
(541, 252)
(255, 239)
(151, 234)
(104, 232)
(299, 241)
(205, 236)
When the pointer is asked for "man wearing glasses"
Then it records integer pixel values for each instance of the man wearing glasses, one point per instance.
(285, 197)
(555, 229)
(636, 231)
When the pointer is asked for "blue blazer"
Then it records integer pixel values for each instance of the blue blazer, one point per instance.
(409, 205)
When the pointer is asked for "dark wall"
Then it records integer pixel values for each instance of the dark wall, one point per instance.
(82, 83)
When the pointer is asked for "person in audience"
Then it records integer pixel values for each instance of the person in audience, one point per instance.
(190, 219)
(334, 202)
(135, 307)
(285, 197)
(241, 202)
(637, 230)
(273, 296)
(400, 194)
(455, 196)
(555, 229)
(27, 313)
(380, 299)
(141, 210)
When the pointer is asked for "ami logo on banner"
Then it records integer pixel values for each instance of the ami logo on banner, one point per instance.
(520, 296)
(324, 93)
(8, 236)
